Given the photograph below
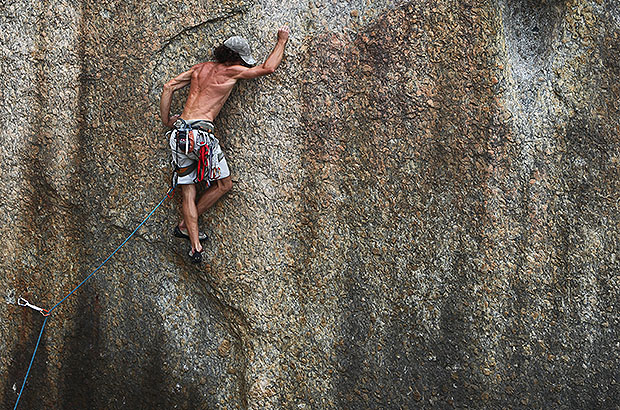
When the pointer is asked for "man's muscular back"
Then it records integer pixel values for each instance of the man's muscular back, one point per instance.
(211, 84)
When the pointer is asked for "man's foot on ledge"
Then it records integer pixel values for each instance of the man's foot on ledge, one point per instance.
(182, 233)
(196, 256)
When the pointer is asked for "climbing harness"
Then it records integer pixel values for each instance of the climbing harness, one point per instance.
(23, 302)
(197, 142)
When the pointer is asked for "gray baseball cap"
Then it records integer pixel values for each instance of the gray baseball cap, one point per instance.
(240, 45)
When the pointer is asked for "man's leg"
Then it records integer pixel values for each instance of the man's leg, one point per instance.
(190, 215)
(211, 195)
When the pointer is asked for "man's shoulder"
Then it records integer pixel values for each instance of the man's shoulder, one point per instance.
(207, 69)
(219, 66)
(214, 69)
(201, 66)
(235, 68)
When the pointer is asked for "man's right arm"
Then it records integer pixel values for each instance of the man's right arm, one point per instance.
(272, 62)
(170, 87)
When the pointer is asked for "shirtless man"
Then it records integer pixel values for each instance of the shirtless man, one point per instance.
(210, 85)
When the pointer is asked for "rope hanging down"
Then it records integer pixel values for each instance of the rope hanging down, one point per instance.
(46, 313)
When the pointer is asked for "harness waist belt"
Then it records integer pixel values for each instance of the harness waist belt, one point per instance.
(187, 170)
(202, 125)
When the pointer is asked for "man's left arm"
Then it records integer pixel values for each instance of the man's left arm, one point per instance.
(272, 62)
(170, 87)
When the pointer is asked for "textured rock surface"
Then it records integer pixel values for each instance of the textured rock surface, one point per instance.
(425, 208)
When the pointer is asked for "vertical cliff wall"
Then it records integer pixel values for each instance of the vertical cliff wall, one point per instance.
(424, 211)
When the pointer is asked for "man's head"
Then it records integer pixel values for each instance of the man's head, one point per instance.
(235, 49)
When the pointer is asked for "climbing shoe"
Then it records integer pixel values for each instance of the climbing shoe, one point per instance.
(195, 256)
(182, 233)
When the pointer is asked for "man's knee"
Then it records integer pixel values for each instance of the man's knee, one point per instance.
(224, 184)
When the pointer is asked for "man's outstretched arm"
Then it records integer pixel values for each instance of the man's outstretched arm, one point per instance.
(170, 87)
(272, 62)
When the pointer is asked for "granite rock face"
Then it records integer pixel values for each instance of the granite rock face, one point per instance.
(424, 213)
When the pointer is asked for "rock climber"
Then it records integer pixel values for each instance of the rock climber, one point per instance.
(210, 86)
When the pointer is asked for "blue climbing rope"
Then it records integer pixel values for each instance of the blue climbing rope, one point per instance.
(112, 254)
(31, 360)
(46, 313)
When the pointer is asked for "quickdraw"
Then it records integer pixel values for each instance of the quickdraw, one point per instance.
(24, 302)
